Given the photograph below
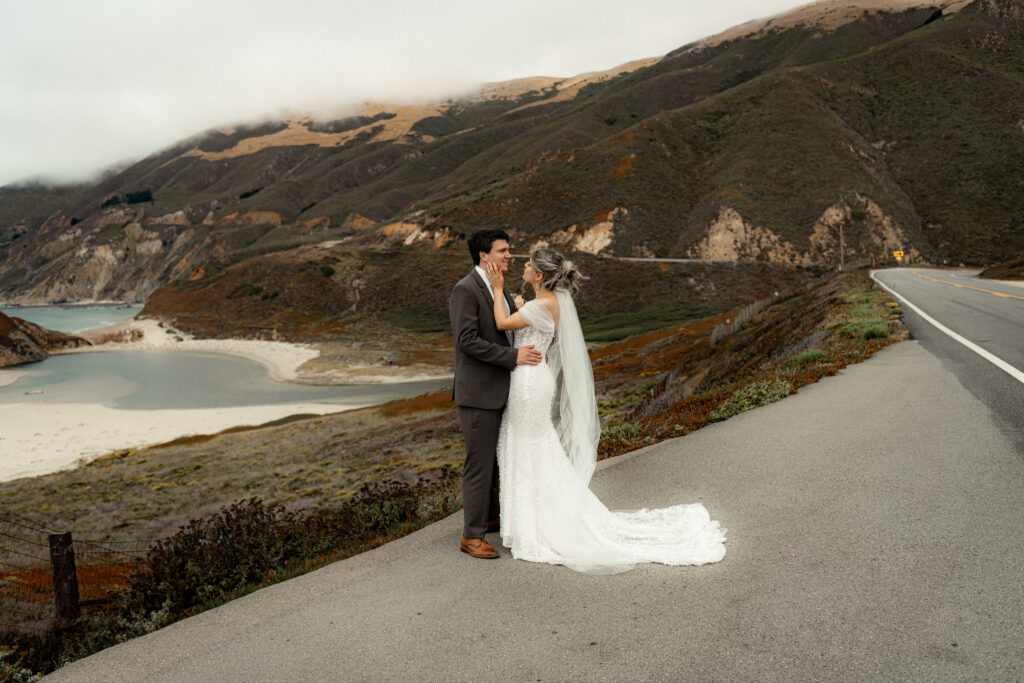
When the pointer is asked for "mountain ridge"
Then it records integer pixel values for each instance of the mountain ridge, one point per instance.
(752, 148)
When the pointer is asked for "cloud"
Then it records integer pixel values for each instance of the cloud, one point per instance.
(84, 85)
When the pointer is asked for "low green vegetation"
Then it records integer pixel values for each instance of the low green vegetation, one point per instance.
(419, 319)
(869, 315)
(11, 672)
(810, 356)
(625, 435)
(617, 326)
(753, 395)
(678, 383)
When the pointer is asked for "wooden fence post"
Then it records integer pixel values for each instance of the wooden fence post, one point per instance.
(65, 579)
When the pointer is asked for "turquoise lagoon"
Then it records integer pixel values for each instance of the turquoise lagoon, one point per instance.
(156, 380)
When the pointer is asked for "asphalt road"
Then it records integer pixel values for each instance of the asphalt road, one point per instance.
(874, 534)
(987, 314)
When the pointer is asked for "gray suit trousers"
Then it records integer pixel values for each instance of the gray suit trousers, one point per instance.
(480, 471)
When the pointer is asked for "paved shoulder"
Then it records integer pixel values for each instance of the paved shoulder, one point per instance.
(874, 532)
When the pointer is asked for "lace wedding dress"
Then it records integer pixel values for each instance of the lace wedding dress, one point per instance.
(548, 513)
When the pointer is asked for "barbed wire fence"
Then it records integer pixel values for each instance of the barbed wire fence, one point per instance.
(48, 575)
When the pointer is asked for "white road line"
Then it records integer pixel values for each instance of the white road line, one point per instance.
(991, 358)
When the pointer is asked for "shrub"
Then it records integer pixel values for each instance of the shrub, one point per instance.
(751, 396)
(622, 437)
(238, 545)
(13, 672)
(875, 332)
(858, 327)
(809, 356)
(138, 197)
(625, 430)
(248, 542)
(225, 555)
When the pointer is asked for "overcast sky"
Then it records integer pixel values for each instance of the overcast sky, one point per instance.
(84, 85)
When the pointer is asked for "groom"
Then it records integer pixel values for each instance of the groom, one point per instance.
(484, 359)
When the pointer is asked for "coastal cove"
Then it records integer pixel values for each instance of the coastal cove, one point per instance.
(75, 407)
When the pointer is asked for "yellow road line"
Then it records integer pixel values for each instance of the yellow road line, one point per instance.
(977, 289)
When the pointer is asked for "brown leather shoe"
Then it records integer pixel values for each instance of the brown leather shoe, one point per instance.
(478, 547)
(494, 525)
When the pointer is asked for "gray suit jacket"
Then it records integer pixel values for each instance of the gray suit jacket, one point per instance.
(483, 355)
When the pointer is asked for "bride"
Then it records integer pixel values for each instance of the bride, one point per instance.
(548, 513)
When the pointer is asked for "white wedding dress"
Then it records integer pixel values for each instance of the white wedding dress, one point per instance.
(548, 513)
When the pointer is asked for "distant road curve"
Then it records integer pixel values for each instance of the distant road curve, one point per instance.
(644, 259)
(647, 259)
(976, 326)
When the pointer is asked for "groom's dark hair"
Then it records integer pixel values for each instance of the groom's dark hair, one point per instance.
(483, 240)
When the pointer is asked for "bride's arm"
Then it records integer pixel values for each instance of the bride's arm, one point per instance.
(503, 320)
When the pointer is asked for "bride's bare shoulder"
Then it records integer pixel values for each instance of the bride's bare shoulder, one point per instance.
(550, 302)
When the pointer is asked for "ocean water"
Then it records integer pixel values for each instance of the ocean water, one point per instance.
(72, 319)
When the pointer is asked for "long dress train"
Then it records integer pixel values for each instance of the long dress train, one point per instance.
(549, 514)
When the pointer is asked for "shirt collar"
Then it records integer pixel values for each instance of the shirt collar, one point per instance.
(486, 280)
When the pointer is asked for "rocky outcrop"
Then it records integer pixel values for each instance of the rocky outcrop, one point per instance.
(123, 255)
(591, 240)
(25, 342)
(730, 237)
(868, 232)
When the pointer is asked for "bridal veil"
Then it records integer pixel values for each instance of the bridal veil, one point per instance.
(575, 405)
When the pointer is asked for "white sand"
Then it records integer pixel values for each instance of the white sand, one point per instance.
(39, 438)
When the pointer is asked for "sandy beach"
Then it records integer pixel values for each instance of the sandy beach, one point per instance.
(42, 438)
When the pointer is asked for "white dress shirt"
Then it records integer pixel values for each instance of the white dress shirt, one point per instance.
(490, 289)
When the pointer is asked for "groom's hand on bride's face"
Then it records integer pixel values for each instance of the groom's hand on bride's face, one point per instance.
(528, 355)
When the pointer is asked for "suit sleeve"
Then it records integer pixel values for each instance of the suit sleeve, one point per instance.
(465, 317)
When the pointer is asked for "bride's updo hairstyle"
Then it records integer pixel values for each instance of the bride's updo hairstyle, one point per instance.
(558, 271)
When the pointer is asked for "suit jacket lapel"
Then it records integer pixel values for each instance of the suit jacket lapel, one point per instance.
(482, 285)
(508, 297)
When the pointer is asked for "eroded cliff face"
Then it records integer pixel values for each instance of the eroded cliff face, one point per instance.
(868, 232)
(25, 342)
(123, 255)
(730, 237)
